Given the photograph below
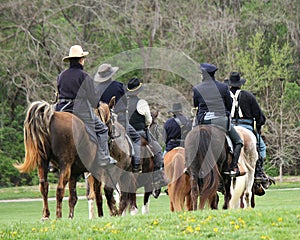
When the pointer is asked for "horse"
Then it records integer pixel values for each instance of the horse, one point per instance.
(128, 193)
(179, 188)
(241, 187)
(60, 138)
(207, 158)
(120, 149)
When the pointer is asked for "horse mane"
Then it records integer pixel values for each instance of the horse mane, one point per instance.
(36, 135)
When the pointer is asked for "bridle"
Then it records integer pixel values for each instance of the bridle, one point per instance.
(109, 119)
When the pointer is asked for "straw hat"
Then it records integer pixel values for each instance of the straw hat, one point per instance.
(75, 52)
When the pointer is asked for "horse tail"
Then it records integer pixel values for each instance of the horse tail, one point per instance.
(209, 168)
(36, 135)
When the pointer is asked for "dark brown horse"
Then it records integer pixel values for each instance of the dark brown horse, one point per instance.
(122, 175)
(59, 137)
(120, 150)
(207, 157)
(179, 187)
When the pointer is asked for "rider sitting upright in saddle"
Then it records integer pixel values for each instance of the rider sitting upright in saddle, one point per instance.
(76, 94)
(176, 128)
(212, 98)
(108, 88)
(140, 118)
(245, 112)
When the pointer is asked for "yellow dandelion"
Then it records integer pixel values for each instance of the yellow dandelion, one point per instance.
(279, 219)
(114, 231)
(189, 229)
(215, 230)
(236, 227)
(108, 225)
(155, 222)
(33, 229)
(197, 228)
(274, 224)
(232, 222)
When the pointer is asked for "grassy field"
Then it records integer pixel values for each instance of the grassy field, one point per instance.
(276, 216)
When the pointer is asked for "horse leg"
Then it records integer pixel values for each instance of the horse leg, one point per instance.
(60, 191)
(145, 208)
(111, 202)
(214, 200)
(44, 186)
(90, 194)
(194, 192)
(227, 194)
(98, 196)
(72, 196)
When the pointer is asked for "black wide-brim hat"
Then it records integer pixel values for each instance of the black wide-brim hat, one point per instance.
(134, 86)
(235, 80)
(177, 107)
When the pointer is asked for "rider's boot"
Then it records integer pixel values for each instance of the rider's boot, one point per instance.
(103, 160)
(136, 164)
(235, 171)
(259, 175)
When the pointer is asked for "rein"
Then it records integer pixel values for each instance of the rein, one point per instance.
(109, 122)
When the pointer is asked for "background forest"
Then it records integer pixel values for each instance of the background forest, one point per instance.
(259, 38)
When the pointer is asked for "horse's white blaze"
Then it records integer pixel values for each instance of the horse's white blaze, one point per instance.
(91, 209)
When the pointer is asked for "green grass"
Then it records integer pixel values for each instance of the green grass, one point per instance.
(276, 216)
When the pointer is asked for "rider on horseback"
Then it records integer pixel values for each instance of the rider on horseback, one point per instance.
(176, 128)
(140, 118)
(76, 94)
(212, 98)
(246, 112)
(108, 88)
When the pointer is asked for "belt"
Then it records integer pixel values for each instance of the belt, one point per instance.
(242, 121)
(65, 100)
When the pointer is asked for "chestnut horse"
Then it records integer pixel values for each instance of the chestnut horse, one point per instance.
(120, 149)
(207, 158)
(59, 137)
(179, 188)
(241, 187)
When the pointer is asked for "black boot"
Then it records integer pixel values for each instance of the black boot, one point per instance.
(103, 161)
(136, 165)
(259, 174)
(234, 169)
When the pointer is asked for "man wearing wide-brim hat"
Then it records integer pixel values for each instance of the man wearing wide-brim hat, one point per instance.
(244, 110)
(107, 88)
(176, 128)
(140, 118)
(77, 95)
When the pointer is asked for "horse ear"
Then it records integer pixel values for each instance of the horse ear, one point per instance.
(112, 102)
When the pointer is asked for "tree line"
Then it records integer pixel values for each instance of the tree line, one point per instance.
(260, 39)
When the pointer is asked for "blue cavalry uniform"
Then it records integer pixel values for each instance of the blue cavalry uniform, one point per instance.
(108, 88)
(212, 98)
(176, 128)
(76, 94)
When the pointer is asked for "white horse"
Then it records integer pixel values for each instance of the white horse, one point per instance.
(241, 187)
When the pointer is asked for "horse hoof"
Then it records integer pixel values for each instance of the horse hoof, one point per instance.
(134, 211)
(44, 218)
(145, 210)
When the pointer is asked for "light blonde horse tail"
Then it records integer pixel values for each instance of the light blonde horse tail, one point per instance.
(36, 135)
